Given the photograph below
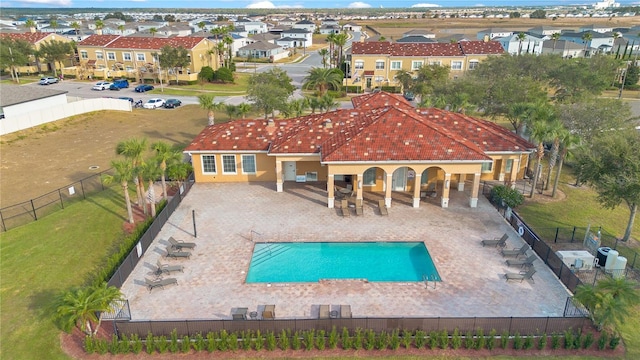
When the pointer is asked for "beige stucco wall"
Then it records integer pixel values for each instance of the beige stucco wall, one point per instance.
(265, 168)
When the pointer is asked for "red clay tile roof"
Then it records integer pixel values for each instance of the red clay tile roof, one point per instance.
(98, 40)
(380, 99)
(374, 47)
(427, 49)
(154, 43)
(481, 47)
(254, 135)
(28, 36)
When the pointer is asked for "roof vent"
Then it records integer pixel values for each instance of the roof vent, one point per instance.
(271, 123)
(327, 124)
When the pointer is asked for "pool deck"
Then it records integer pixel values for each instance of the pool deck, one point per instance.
(231, 217)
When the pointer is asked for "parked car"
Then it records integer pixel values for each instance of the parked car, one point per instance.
(126, 98)
(172, 103)
(409, 96)
(48, 80)
(121, 83)
(114, 87)
(101, 85)
(143, 88)
(153, 103)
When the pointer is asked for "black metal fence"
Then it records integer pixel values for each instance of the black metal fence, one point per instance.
(512, 325)
(129, 263)
(37, 208)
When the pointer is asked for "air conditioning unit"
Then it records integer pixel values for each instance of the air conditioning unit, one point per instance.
(612, 257)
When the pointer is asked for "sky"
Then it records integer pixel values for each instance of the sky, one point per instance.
(274, 4)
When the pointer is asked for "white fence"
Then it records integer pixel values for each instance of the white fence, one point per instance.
(57, 112)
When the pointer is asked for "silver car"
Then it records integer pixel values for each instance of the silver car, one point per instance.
(48, 80)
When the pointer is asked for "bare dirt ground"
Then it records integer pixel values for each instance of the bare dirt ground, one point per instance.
(42, 159)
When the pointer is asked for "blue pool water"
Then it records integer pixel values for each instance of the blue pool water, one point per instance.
(310, 262)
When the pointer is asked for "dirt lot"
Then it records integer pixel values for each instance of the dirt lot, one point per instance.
(60, 153)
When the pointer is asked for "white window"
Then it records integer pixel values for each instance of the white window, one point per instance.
(508, 166)
(456, 65)
(111, 56)
(311, 175)
(369, 177)
(248, 164)
(126, 56)
(396, 65)
(379, 64)
(486, 167)
(435, 62)
(229, 164)
(208, 164)
(359, 65)
(99, 55)
(379, 79)
(415, 65)
(84, 54)
(140, 57)
(473, 64)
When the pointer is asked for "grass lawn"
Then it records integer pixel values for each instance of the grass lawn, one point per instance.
(239, 87)
(22, 79)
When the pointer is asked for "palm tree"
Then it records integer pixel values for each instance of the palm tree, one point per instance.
(327, 102)
(586, 37)
(165, 156)
(405, 78)
(53, 23)
(331, 40)
(521, 37)
(123, 174)
(543, 126)
(340, 40)
(31, 25)
(206, 103)
(202, 25)
(314, 103)
(133, 150)
(83, 307)
(231, 110)
(150, 172)
(609, 301)
(179, 172)
(76, 26)
(121, 28)
(243, 109)
(153, 31)
(298, 106)
(567, 142)
(99, 25)
(323, 53)
(322, 80)
(555, 37)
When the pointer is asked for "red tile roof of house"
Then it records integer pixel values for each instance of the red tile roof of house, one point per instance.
(481, 47)
(98, 40)
(28, 36)
(381, 127)
(154, 43)
(427, 49)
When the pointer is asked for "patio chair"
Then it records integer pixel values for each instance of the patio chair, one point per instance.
(152, 284)
(167, 269)
(383, 208)
(515, 252)
(522, 275)
(496, 241)
(359, 208)
(239, 314)
(344, 208)
(269, 312)
(345, 311)
(526, 262)
(177, 254)
(179, 244)
(324, 312)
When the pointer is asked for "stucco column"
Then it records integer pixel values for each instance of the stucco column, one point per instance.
(358, 185)
(475, 189)
(279, 176)
(387, 190)
(330, 194)
(444, 202)
(514, 172)
(461, 179)
(416, 190)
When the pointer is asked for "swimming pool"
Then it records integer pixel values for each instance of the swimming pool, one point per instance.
(311, 262)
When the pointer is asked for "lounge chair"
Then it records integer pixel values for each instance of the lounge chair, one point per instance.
(324, 312)
(359, 209)
(526, 262)
(345, 311)
(152, 284)
(167, 269)
(239, 314)
(515, 252)
(496, 241)
(269, 312)
(383, 208)
(522, 275)
(344, 208)
(177, 254)
(179, 244)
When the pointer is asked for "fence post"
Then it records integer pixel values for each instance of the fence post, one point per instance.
(4, 228)
(193, 215)
(573, 234)
(101, 183)
(546, 257)
(35, 216)
(510, 324)
(61, 202)
(635, 256)
(82, 188)
(556, 239)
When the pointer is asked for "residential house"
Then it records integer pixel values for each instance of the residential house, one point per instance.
(598, 43)
(566, 49)
(329, 22)
(454, 38)
(541, 31)
(383, 145)
(251, 27)
(351, 26)
(602, 29)
(302, 37)
(330, 29)
(415, 39)
(286, 22)
(208, 25)
(515, 46)
(148, 25)
(305, 25)
(493, 33)
(240, 31)
(175, 30)
(419, 32)
(263, 50)
(237, 40)
(375, 64)
(36, 39)
(268, 37)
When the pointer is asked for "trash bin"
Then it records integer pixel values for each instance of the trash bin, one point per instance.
(602, 254)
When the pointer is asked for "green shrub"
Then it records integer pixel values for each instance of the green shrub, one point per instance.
(206, 74)
(420, 339)
(407, 338)
(353, 89)
(382, 340)
(542, 342)
(174, 341)
(309, 337)
(588, 341)
(480, 340)
(136, 344)
(394, 342)
(614, 342)
(284, 340)
(346, 339)
(102, 346)
(186, 344)
(162, 345)
(320, 340)
(246, 338)
(504, 340)
(232, 340)
(123, 344)
(444, 339)
(603, 340)
(517, 341)
(89, 345)
(503, 194)
(577, 341)
(555, 341)
(358, 339)
(258, 344)
(433, 340)
(568, 339)
(370, 338)
(114, 346)
(333, 338)
(211, 342)
(528, 342)
(295, 341)
(198, 345)
(271, 341)
(223, 340)
(491, 340)
(456, 339)
(224, 74)
(150, 345)
(469, 343)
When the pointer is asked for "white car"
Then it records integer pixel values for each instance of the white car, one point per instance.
(48, 80)
(102, 85)
(153, 103)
